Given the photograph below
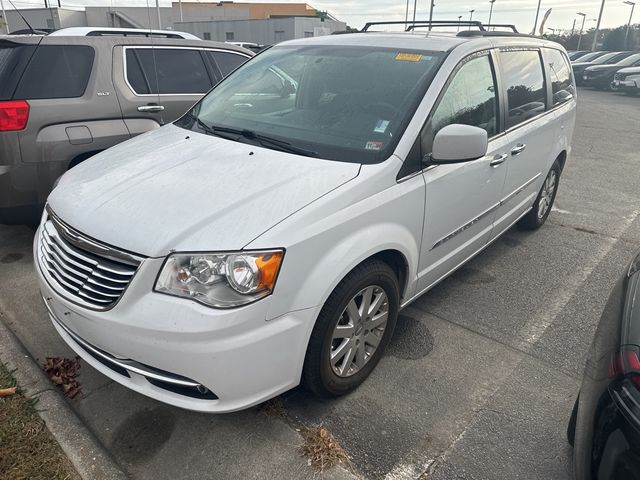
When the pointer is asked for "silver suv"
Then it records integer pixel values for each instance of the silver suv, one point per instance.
(63, 98)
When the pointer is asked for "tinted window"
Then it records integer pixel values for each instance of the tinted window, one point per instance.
(178, 71)
(228, 62)
(13, 59)
(470, 99)
(56, 71)
(524, 81)
(560, 73)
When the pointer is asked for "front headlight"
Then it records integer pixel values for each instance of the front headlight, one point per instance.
(220, 280)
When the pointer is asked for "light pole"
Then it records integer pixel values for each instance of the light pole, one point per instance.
(180, 6)
(406, 16)
(535, 24)
(626, 35)
(415, 4)
(597, 32)
(459, 20)
(159, 19)
(584, 16)
(4, 16)
(573, 27)
(491, 10)
(433, 4)
(470, 17)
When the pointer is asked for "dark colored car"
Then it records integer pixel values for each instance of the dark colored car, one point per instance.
(601, 76)
(606, 59)
(604, 428)
(576, 55)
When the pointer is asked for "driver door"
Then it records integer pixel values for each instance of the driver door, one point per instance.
(462, 198)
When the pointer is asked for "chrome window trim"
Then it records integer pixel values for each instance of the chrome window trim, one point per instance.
(163, 47)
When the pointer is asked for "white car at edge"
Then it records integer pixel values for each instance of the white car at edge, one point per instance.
(271, 235)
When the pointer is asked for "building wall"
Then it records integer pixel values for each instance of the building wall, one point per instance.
(266, 32)
(49, 18)
(251, 11)
(129, 17)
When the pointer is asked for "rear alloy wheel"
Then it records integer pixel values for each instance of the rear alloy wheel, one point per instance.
(352, 330)
(544, 202)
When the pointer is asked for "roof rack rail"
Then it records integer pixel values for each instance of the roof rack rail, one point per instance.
(411, 25)
(501, 25)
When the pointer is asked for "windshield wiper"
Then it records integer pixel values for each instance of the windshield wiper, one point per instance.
(263, 140)
(212, 131)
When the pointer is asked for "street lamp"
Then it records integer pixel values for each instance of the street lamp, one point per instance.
(597, 32)
(433, 4)
(633, 5)
(470, 17)
(459, 20)
(535, 24)
(491, 10)
(584, 16)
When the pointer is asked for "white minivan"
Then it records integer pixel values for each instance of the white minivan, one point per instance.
(271, 235)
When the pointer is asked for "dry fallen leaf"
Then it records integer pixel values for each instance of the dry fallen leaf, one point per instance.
(5, 392)
(63, 372)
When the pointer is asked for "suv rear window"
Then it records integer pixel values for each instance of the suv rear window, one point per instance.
(180, 70)
(56, 71)
(13, 58)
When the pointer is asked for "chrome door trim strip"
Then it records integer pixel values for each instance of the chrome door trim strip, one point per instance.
(407, 302)
(469, 224)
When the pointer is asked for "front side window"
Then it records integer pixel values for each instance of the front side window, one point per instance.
(524, 81)
(347, 103)
(470, 99)
(57, 71)
(560, 72)
(166, 71)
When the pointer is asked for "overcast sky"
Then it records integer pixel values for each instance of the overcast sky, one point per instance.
(357, 12)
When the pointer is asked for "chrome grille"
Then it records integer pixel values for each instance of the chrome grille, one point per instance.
(77, 272)
(619, 76)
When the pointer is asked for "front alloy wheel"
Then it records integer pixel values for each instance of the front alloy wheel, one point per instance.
(352, 330)
(359, 331)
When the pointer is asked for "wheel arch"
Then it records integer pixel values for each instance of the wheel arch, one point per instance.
(81, 158)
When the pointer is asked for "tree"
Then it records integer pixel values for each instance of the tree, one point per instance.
(614, 39)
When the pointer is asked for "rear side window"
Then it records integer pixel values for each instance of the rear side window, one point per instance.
(228, 62)
(178, 70)
(562, 87)
(56, 71)
(13, 59)
(524, 81)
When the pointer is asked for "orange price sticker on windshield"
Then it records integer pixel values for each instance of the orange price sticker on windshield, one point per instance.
(408, 57)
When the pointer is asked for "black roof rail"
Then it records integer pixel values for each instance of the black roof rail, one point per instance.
(411, 25)
(493, 33)
(501, 25)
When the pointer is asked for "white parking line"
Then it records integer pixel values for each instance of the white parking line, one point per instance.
(531, 332)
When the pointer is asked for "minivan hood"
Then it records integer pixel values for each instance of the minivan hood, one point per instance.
(174, 189)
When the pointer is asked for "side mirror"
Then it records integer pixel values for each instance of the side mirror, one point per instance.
(459, 143)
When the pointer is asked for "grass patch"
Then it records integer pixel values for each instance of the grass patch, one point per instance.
(322, 450)
(27, 448)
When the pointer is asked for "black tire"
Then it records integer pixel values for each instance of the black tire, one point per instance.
(532, 220)
(571, 427)
(318, 375)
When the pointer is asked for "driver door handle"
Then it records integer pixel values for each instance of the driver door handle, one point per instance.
(150, 108)
(498, 160)
(518, 149)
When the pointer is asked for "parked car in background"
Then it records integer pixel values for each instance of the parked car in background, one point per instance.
(627, 80)
(589, 56)
(63, 98)
(271, 235)
(604, 427)
(601, 76)
(578, 54)
(606, 59)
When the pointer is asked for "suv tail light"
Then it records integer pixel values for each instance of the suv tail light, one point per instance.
(626, 363)
(13, 115)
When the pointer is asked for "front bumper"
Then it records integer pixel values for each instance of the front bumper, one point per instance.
(626, 85)
(234, 358)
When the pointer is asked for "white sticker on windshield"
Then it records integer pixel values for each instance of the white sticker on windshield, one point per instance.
(373, 145)
(381, 126)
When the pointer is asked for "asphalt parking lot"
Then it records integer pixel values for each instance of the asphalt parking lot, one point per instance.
(481, 375)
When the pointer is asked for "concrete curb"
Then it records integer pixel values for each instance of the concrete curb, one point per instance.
(86, 454)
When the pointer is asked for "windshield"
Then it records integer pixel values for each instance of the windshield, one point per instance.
(347, 103)
(606, 58)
